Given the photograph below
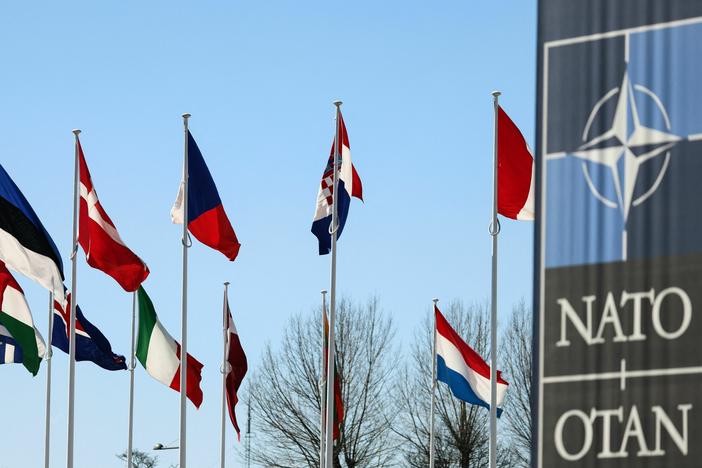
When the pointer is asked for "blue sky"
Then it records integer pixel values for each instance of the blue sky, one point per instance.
(259, 79)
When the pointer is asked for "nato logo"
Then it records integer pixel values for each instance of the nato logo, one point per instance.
(622, 123)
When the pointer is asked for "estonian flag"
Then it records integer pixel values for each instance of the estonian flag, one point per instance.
(25, 246)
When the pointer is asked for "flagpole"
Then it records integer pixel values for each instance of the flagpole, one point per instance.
(74, 301)
(225, 371)
(322, 383)
(49, 353)
(132, 365)
(433, 389)
(333, 230)
(248, 434)
(494, 231)
(184, 310)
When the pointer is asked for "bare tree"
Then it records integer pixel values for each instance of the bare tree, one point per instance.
(140, 459)
(461, 429)
(515, 354)
(285, 392)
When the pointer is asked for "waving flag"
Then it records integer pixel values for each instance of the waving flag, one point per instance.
(91, 344)
(349, 185)
(10, 351)
(207, 220)
(515, 173)
(159, 353)
(237, 366)
(25, 246)
(338, 402)
(462, 369)
(17, 323)
(104, 248)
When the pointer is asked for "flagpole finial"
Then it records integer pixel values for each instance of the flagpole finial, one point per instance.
(496, 93)
(324, 291)
(186, 116)
(337, 103)
(435, 300)
(226, 283)
(76, 131)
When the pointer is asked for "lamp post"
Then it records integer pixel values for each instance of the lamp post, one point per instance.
(160, 446)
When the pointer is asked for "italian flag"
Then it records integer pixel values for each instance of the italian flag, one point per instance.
(16, 320)
(159, 353)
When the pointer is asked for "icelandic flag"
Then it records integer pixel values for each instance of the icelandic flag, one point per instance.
(349, 186)
(91, 344)
(462, 369)
(207, 220)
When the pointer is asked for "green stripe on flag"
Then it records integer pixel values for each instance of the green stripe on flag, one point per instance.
(26, 339)
(147, 321)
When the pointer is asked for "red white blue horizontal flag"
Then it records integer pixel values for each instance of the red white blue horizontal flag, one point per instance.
(462, 369)
(349, 185)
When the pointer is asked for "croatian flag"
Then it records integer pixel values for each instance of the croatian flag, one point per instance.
(515, 171)
(462, 369)
(349, 185)
(207, 220)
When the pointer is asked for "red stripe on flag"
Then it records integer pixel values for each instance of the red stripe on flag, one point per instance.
(193, 378)
(213, 229)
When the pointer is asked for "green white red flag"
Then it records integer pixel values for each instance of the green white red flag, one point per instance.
(159, 353)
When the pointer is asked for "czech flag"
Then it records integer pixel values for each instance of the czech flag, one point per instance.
(349, 185)
(462, 369)
(207, 220)
(515, 171)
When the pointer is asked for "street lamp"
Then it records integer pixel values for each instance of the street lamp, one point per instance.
(160, 446)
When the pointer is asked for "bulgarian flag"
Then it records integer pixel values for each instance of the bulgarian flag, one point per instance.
(159, 353)
(16, 321)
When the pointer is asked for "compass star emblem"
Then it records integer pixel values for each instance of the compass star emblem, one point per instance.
(626, 146)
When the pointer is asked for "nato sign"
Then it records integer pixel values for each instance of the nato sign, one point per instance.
(619, 244)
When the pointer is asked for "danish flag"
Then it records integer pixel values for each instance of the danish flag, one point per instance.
(103, 246)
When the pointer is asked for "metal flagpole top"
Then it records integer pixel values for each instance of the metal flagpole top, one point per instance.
(186, 116)
(435, 300)
(337, 103)
(226, 283)
(496, 93)
(76, 131)
(324, 291)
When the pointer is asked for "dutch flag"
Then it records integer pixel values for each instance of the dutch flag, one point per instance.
(349, 185)
(462, 369)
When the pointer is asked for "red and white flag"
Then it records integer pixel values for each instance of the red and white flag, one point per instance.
(236, 365)
(515, 173)
(104, 248)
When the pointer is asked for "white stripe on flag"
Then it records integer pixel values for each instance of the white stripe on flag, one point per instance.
(40, 268)
(9, 353)
(162, 362)
(454, 361)
(91, 200)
